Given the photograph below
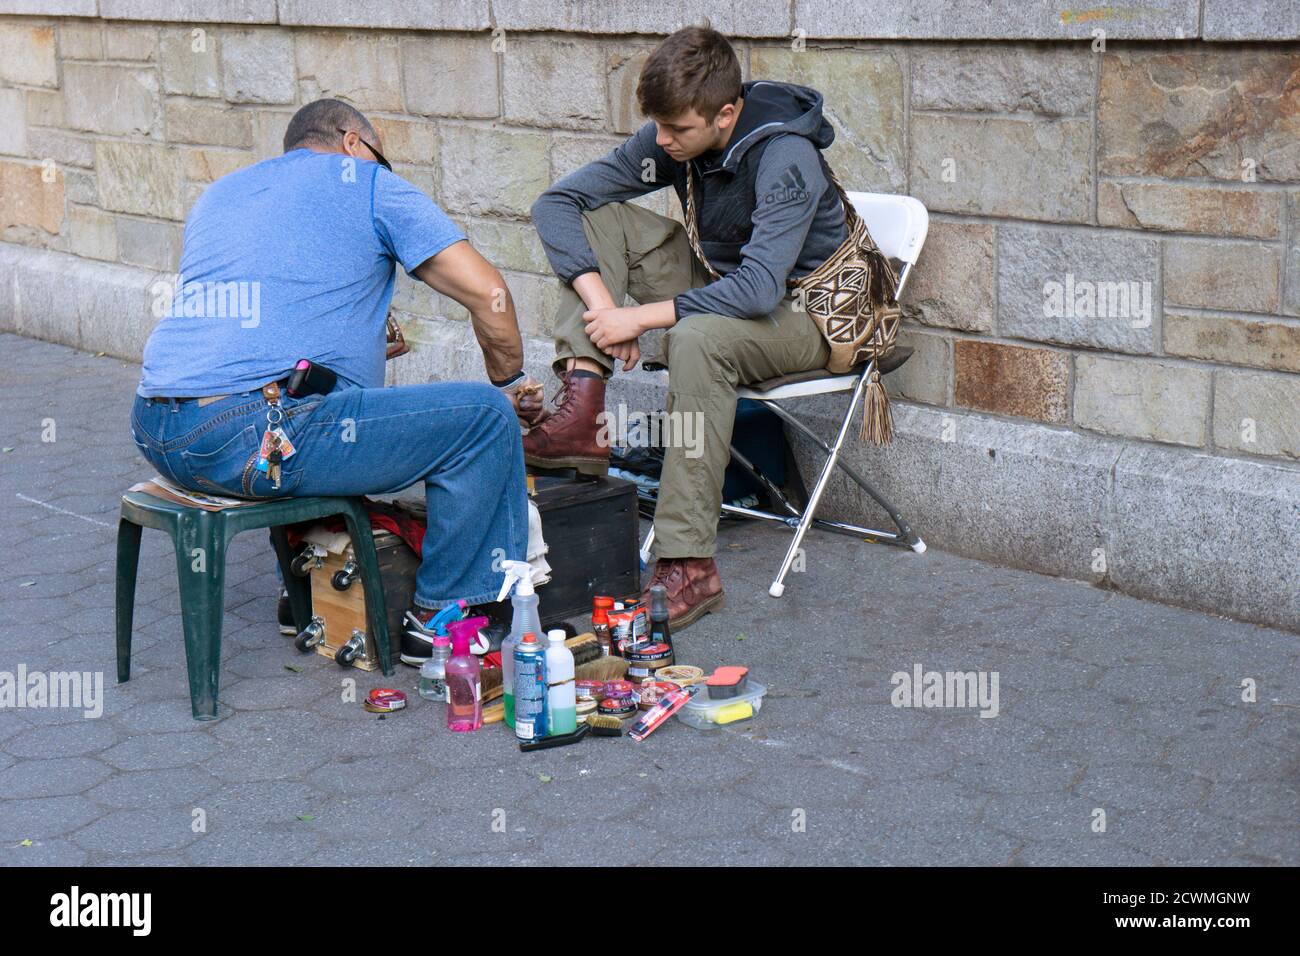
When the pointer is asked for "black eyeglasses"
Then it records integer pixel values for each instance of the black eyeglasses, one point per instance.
(379, 157)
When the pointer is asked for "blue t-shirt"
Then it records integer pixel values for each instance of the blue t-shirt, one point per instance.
(288, 259)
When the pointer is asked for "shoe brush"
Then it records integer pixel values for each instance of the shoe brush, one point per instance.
(585, 648)
(602, 725)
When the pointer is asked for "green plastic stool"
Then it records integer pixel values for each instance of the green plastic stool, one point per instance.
(202, 575)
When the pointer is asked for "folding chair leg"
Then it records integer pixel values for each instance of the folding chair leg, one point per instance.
(645, 548)
(765, 481)
(810, 510)
(904, 529)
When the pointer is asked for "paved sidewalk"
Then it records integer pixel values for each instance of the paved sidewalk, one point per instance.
(1106, 704)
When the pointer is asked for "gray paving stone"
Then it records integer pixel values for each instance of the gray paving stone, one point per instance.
(137, 831)
(349, 851)
(43, 853)
(1096, 851)
(1269, 802)
(45, 818)
(1134, 787)
(1277, 844)
(240, 805)
(156, 751)
(1178, 837)
(52, 777)
(65, 740)
(156, 789)
(284, 845)
(155, 716)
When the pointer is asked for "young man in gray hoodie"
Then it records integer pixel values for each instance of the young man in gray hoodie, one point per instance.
(767, 213)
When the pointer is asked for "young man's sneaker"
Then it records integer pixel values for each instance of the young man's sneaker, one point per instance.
(694, 589)
(284, 612)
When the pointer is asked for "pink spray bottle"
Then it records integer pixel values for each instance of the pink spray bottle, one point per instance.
(464, 684)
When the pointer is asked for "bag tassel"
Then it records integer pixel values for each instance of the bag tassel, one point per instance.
(877, 420)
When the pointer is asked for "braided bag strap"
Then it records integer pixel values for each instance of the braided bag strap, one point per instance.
(693, 223)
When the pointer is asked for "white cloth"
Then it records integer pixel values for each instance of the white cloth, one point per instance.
(537, 546)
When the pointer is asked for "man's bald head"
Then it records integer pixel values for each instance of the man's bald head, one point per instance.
(317, 126)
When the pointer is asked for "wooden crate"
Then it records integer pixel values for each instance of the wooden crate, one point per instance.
(345, 611)
(591, 530)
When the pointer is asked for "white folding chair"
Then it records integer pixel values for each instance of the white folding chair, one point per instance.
(898, 224)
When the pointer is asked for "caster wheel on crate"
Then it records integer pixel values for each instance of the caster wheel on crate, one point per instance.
(310, 636)
(342, 579)
(346, 655)
(308, 558)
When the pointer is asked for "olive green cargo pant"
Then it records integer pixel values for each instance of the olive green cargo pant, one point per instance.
(647, 256)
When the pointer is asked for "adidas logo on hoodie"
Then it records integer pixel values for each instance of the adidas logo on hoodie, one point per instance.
(792, 188)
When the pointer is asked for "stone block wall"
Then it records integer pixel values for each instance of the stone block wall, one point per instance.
(1106, 314)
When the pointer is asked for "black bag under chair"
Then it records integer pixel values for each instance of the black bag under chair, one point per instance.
(757, 437)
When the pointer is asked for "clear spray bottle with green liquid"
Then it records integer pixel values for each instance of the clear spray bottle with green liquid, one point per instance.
(520, 575)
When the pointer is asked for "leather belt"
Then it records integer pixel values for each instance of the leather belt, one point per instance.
(270, 391)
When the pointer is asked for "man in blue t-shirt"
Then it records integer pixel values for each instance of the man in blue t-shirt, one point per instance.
(295, 258)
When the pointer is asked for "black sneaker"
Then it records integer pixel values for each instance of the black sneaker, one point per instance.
(417, 635)
(418, 631)
(499, 615)
(284, 611)
(417, 639)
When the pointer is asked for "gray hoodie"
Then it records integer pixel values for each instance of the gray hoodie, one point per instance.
(767, 210)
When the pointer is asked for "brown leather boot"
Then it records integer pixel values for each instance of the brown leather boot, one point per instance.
(566, 438)
(694, 589)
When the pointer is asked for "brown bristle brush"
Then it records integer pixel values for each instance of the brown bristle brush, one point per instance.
(602, 725)
(585, 648)
(490, 683)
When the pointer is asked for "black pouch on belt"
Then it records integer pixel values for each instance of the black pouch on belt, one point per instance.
(308, 378)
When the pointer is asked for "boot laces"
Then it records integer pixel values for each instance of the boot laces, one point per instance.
(561, 402)
(667, 572)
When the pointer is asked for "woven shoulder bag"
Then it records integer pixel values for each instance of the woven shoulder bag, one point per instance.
(850, 297)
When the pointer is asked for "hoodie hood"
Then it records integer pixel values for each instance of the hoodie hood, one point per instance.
(772, 109)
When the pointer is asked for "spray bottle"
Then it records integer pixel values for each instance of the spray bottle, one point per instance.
(561, 691)
(464, 682)
(530, 688)
(520, 576)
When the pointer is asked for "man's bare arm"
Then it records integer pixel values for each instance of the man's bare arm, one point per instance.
(461, 273)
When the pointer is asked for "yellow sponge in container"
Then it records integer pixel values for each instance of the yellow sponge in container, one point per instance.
(705, 713)
(733, 712)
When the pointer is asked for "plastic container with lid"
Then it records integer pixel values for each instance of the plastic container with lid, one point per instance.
(706, 713)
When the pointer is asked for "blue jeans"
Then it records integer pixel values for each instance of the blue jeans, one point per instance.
(460, 438)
